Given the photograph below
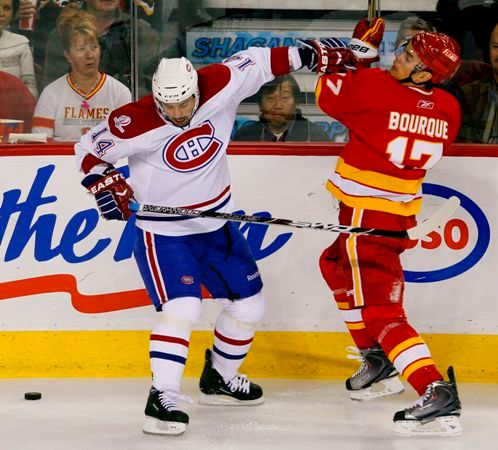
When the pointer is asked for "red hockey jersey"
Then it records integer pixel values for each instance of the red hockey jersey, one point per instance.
(396, 134)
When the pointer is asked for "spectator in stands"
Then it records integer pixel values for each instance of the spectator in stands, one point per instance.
(280, 119)
(479, 107)
(411, 26)
(115, 41)
(79, 100)
(45, 15)
(16, 101)
(15, 55)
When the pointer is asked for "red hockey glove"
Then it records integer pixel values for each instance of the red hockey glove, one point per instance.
(366, 40)
(111, 192)
(320, 57)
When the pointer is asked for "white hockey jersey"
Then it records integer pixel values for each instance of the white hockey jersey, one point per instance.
(65, 114)
(185, 167)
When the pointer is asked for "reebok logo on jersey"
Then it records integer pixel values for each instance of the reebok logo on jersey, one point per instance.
(425, 104)
(253, 276)
(121, 122)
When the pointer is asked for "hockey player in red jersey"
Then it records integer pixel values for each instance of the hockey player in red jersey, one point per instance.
(175, 141)
(399, 124)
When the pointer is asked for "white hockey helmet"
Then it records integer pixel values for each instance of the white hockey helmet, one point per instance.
(174, 81)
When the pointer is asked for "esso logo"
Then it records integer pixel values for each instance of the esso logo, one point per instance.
(192, 149)
(456, 237)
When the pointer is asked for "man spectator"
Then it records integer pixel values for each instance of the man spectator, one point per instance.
(479, 119)
(280, 119)
(115, 42)
(16, 102)
(411, 26)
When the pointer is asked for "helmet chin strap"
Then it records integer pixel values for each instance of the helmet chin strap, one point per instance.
(409, 79)
(166, 117)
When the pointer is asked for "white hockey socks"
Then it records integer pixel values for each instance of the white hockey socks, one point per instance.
(169, 342)
(234, 333)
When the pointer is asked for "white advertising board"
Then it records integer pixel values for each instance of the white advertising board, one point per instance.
(63, 268)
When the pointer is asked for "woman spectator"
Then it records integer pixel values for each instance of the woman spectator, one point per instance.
(15, 54)
(82, 98)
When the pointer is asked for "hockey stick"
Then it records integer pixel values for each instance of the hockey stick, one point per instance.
(417, 232)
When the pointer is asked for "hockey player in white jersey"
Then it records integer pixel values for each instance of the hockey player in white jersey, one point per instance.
(175, 141)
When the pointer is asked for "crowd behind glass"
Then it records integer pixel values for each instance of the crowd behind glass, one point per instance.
(65, 64)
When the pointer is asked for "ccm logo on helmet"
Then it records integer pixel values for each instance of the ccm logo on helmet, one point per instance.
(193, 149)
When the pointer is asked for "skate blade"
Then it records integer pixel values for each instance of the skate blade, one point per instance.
(225, 400)
(384, 388)
(155, 426)
(440, 426)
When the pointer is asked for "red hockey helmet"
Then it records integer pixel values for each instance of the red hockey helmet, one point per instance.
(438, 53)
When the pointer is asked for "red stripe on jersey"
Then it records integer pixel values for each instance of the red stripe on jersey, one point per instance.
(171, 339)
(143, 118)
(153, 266)
(212, 79)
(90, 161)
(280, 64)
(208, 202)
(230, 341)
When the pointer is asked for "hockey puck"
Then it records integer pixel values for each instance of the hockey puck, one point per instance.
(32, 395)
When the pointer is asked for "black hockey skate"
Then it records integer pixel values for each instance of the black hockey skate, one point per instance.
(216, 391)
(375, 378)
(436, 413)
(162, 416)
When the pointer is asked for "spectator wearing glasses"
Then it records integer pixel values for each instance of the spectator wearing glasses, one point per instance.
(280, 119)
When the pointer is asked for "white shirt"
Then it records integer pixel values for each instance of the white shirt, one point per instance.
(64, 113)
(16, 58)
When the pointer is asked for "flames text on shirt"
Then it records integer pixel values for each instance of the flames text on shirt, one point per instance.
(414, 123)
(70, 112)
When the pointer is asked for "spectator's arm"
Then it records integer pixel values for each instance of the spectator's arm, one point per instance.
(28, 71)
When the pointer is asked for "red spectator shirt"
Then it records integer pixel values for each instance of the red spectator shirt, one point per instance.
(16, 102)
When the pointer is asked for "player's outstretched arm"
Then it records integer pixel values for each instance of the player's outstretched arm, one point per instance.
(325, 55)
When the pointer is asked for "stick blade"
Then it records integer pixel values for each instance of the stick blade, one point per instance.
(436, 220)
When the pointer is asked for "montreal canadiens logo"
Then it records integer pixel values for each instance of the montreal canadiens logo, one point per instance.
(192, 149)
(188, 279)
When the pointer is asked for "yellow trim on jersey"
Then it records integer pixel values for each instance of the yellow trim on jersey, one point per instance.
(89, 95)
(318, 91)
(355, 326)
(97, 88)
(377, 180)
(343, 305)
(394, 353)
(353, 260)
(417, 365)
(376, 203)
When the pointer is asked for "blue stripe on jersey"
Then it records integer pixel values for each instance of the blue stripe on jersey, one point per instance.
(169, 356)
(226, 355)
(169, 219)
